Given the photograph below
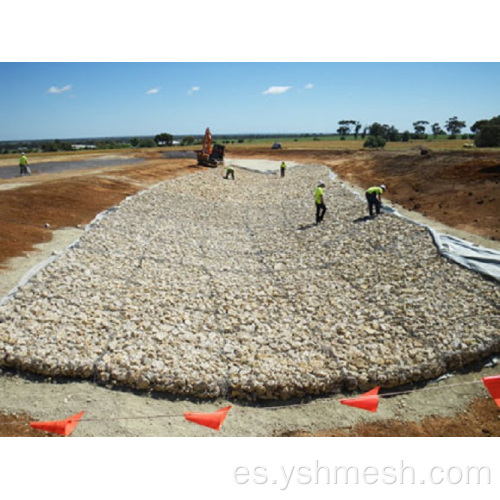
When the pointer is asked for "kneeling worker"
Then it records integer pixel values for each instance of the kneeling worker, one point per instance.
(229, 172)
(374, 198)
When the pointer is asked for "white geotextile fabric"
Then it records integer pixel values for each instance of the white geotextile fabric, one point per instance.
(263, 166)
(480, 259)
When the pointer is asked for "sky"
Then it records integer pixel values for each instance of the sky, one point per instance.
(265, 69)
(62, 100)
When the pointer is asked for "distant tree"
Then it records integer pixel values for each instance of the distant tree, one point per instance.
(189, 141)
(392, 134)
(405, 136)
(134, 142)
(487, 133)
(164, 139)
(479, 124)
(343, 131)
(436, 130)
(147, 142)
(454, 125)
(489, 137)
(357, 128)
(419, 127)
(377, 130)
(49, 147)
(345, 128)
(374, 142)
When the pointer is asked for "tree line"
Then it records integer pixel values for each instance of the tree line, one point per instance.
(48, 146)
(486, 133)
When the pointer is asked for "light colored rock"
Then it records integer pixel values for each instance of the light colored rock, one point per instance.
(206, 288)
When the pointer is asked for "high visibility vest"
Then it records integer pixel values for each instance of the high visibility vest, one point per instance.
(318, 195)
(375, 189)
(23, 161)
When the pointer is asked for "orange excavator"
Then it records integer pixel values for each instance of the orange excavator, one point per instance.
(208, 156)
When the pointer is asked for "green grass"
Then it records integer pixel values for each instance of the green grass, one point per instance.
(334, 142)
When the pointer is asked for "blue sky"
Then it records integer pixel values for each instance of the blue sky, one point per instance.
(58, 100)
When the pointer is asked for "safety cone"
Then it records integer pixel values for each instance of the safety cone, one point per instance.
(62, 427)
(493, 386)
(367, 401)
(213, 420)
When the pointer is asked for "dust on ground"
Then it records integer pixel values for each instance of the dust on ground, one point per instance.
(458, 192)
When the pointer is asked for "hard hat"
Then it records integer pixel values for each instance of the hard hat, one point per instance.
(383, 186)
(321, 183)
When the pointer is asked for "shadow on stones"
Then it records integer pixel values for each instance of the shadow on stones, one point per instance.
(363, 219)
(306, 226)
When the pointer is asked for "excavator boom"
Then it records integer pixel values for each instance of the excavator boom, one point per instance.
(207, 156)
(207, 142)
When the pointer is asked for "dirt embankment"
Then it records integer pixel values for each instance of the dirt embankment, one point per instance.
(33, 207)
(459, 189)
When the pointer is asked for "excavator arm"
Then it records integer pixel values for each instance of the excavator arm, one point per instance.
(207, 142)
(207, 156)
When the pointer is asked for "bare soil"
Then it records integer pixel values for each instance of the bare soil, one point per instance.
(460, 189)
(480, 419)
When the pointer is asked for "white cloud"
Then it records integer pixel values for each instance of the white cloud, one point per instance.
(308, 86)
(59, 90)
(194, 89)
(275, 90)
(154, 90)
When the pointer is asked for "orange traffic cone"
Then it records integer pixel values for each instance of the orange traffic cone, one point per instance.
(62, 427)
(493, 386)
(213, 420)
(367, 401)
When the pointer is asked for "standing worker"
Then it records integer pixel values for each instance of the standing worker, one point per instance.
(374, 198)
(23, 164)
(320, 202)
(282, 168)
(229, 172)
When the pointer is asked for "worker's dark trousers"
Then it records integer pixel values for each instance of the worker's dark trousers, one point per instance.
(373, 201)
(320, 212)
(282, 172)
(229, 173)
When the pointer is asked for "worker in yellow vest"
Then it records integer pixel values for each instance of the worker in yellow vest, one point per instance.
(229, 172)
(374, 198)
(282, 168)
(320, 202)
(23, 165)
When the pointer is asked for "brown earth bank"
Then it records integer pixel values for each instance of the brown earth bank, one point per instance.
(458, 188)
(32, 207)
(18, 425)
(480, 419)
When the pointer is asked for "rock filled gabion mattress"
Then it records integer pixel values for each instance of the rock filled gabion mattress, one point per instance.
(208, 287)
